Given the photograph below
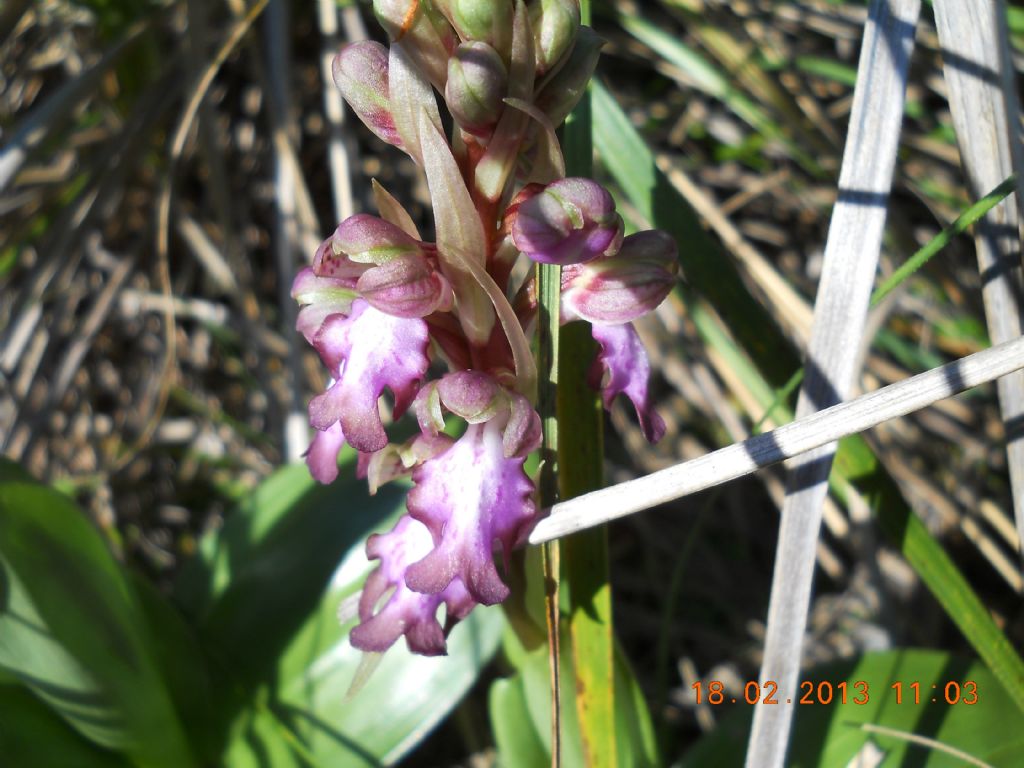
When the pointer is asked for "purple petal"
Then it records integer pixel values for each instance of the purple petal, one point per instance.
(330, 261)
(470, 497)
(404, 612)
(321, 297)
(322, 457)
(473, 395)
(622, 366)
(370, 351)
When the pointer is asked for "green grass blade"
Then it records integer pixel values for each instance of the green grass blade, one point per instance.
(709, 272)
(707, 78)
(941, 240)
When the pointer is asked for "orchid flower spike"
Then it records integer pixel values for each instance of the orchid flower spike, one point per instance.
(388, 311)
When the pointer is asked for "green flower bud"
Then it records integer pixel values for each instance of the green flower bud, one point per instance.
(484, 21)
(476, 85)
(555, 24)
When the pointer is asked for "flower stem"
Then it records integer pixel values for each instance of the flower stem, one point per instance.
(580, 455)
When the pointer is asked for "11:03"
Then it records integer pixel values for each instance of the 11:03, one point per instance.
(952, 692)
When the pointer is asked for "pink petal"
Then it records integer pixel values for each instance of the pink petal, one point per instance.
(626, 286)
(370, 351)
(622, 366)
(404, 612)
(470, 497)
(322, 457)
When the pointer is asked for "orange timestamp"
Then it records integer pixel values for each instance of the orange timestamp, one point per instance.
(823, 692)
(817, 692)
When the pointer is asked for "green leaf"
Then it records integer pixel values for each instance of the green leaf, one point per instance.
(265, 591)
(177, 652)
(72, 632)
(12, 472)
(520, 709)
(406, 697)
(32, 734)
(832, 734)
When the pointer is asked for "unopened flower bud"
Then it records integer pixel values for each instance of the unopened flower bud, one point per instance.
(474, 396)
(624, 287)
(571, 221)
(563, 90)
(361, 74)
(485, 21)
(476, 85)
(405, 287)
(367, 239)
(555, 24)
(425, 34)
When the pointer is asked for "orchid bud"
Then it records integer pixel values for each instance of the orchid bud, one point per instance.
(555, 24)
(361, 74)
(485, 21)
(405, 287)
(476, 85)
(474, 396)
(425, 34)
(624, 287)
(560, 94)
(368, 240)
(572, 221)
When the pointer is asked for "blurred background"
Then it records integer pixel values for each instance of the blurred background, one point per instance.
(153, 215)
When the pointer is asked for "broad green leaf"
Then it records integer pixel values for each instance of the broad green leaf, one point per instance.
(520, 717)
(516, 734)
(72, 632)
(274, 559)
(176, 650)
(31, 734)
(827, 735)
(266, 590)
(406, 697)
(11, 472)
